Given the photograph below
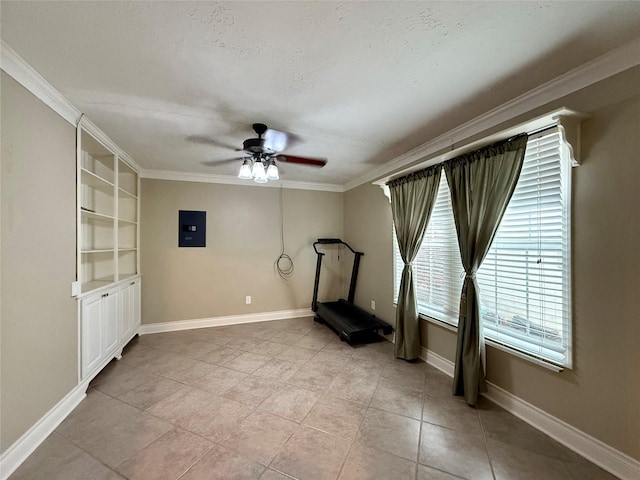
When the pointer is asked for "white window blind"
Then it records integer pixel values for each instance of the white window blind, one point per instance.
(525, 279)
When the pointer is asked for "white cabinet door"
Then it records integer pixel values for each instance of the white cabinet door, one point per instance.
(110, 319)
(107, 321)
(125, 312)
(92, 320)
(136, 312)
(130, 308)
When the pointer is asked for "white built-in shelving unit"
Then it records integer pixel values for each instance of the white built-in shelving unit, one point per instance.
(108, 263)
(108, 230)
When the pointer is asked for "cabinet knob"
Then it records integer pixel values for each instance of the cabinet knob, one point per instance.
(105, 295)
(132, 283)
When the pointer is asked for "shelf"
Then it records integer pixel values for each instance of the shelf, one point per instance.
(92, 180)
(125, 193)
(127, 222)
(127, 179)
(124, 276)
(100, 250)
(93, 284)
(124, 250)
(86, 214)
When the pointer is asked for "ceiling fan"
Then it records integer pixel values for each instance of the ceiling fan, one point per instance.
(259, 164)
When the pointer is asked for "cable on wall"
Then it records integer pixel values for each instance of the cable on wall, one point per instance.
(283, 264)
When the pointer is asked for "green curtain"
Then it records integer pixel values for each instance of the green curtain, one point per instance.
(481, 185)
(412, 199)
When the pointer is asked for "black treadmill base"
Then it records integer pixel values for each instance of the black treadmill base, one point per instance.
(351, 323)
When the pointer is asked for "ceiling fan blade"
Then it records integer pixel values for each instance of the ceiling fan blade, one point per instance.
(314, 162)
(277, 140)
(209, 141)
(215, 163)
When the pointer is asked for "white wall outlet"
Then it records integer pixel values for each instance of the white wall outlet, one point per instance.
(373, 304)
(75, 289)
(247, 299)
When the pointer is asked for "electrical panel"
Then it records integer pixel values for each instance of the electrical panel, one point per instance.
(192, 228)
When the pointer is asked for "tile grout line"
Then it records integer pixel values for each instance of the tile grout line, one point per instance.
(184, 384)
(302, 424)
(351, 447)
(424, 380)
(219, 443)
(109, 428)
(199, 459)
(89, 454)
(486, 445)
(174, 425)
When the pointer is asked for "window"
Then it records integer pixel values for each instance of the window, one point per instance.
(525, 279)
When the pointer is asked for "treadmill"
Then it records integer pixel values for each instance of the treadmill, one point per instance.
(351, 323)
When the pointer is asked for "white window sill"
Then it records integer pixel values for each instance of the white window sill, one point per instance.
(498, 346)
(440, 323)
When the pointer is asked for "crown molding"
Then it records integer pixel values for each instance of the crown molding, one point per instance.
(23, 73)
(618, 60)
(233, 180)
(567, 120)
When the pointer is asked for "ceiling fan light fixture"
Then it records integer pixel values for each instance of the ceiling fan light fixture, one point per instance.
(272, 171)
(259, 162)
(245, 170)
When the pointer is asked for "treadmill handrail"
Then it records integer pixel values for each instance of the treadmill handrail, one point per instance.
(330, 241)
(354, 270)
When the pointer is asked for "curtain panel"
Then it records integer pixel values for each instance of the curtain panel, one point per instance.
(412, 199)
(481, 184)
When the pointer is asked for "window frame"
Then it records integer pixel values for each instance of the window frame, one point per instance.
(511, 345)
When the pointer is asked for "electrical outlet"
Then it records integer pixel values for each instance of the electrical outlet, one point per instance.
(373, 304)
(247, 299)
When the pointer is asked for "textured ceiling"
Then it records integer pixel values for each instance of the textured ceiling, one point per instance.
(358, 82)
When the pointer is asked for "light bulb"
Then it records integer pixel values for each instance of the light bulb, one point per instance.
(258, 173)
(272, 171)
(245, 170)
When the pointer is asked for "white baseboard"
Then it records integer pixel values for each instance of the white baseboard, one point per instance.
(612, 460)
(594, 450)
(435, 360)
(220, 321)
(17, 453)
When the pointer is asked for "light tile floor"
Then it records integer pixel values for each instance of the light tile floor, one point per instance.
(287, 399)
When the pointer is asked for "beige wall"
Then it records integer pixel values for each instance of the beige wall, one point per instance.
(243, 241)
(601, 394)
(368, 228)
(39, 326)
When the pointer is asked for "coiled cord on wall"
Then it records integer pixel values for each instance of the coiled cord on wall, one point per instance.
(283, 264)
